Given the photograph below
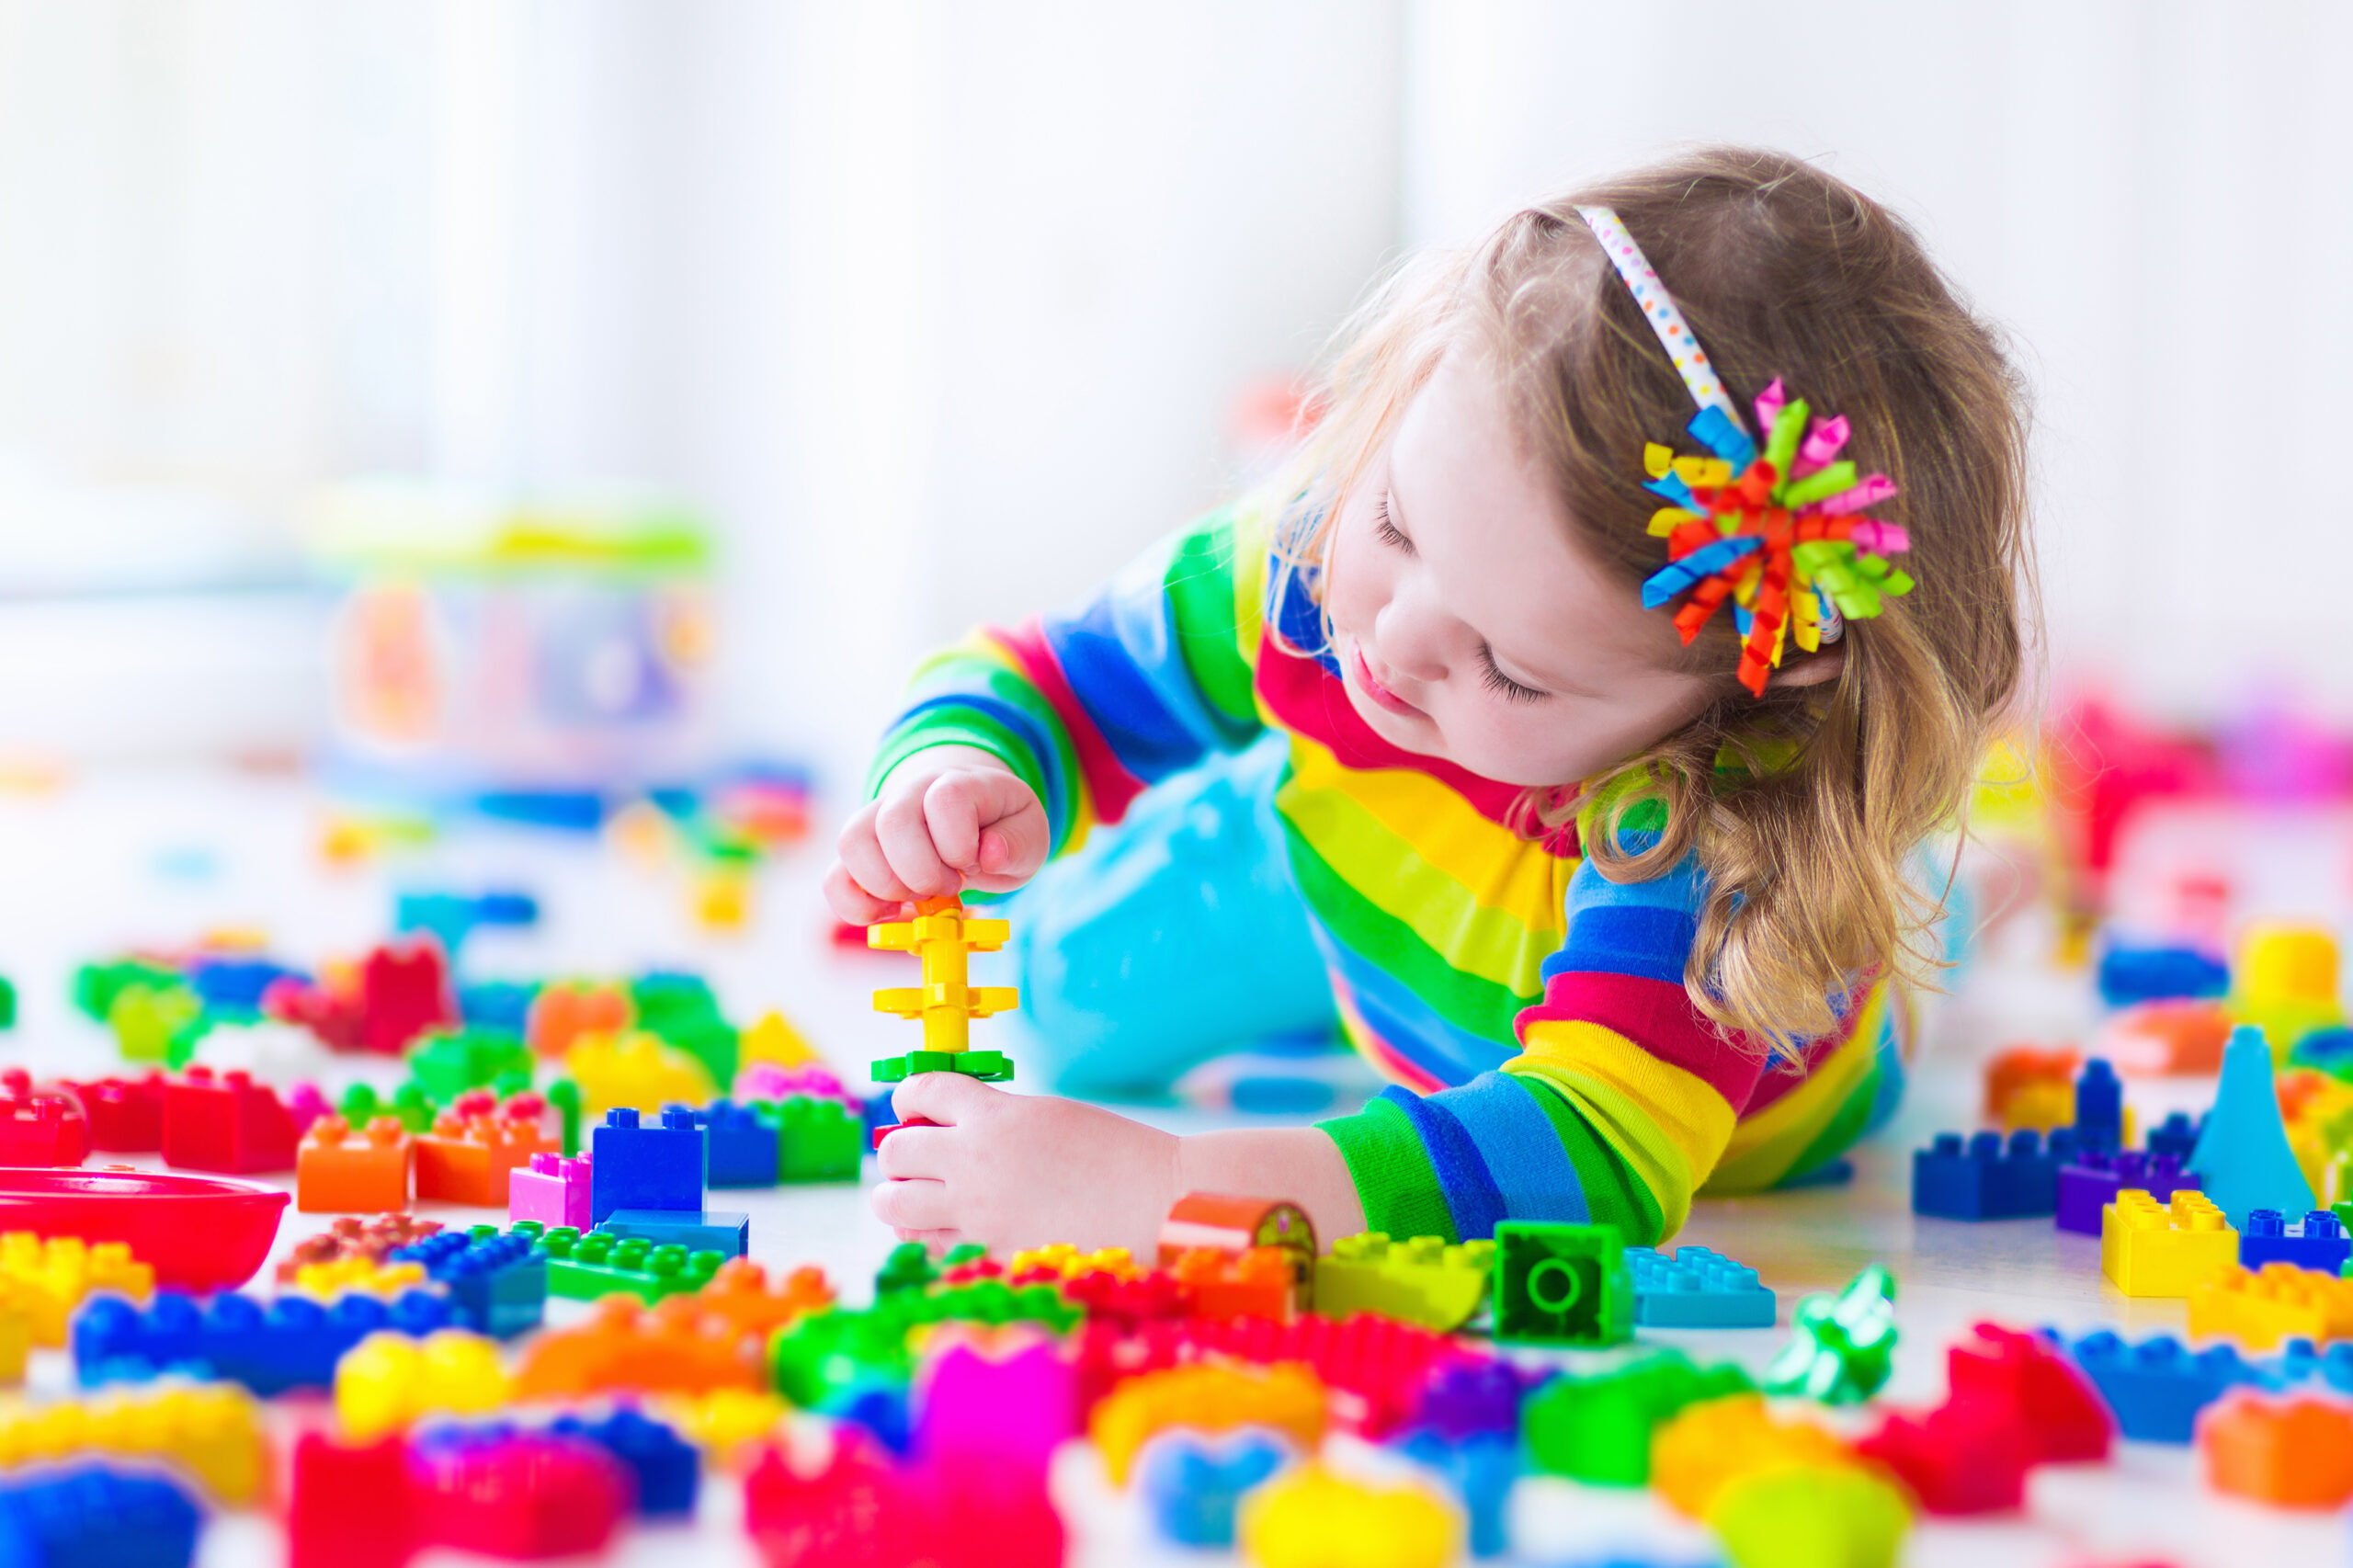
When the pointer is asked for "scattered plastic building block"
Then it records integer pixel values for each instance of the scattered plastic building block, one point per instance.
(1709, 1443)
(1697, 1289)
(2291, 1453)
(705, 1230)
(347, 1237)
(2028, 1086)
(2061, 1413)
(2243, 1155)
(497, 1284)
(155, 1022)
(361, 1105)
(1841, 1348)
(637, 1070)
(1480, 1470)
(502, 1004)
(2091, 1183)
(2100, 1106)
(2156, 1387)
(50, 1277)
(2259, 1309)
(125, 1115)
(472, 1159)
(1258, 1282)
(447, 1062)
(861, 1508)
(724, 1422)
(623, 1345)
(2317, 1240)
(212, 1433)
(1192, 1487)
(451, 917)
(683, 1010)
(1422, 1281)
(739, 1147)
(510, 1494)
(635, 1167)
(1312, 1516)
(2286, 984)
(2173, 1037)
(227, 1124)
(39, 1128)
(1558, 1284)
(552, 1191)
(818, 1139)
(740, 1297)
(387, 1381)
(2131, 974)
(2148, 1250)
(564, 1011)
(1803, 1517)
(1596, 1428)
(293, 1342)
(1286, 1399)
(584, 1266)
(1235, 1224)
(943, 936)
(92, 1516)
(1987, 1180)
(344, 1275)
(340, 1171)
(1963, 1456)
(666, 1470)
(2176, 1135)
(348, 1505)
(773, 1038)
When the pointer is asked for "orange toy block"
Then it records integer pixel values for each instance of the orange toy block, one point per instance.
(339, 1170)
(563, 1012)
(2156, 1040)
(738, 1296)
(1259, 1282)
(2030, 1085)
(468, 1159)
(622, 1345)
(1287, 1397)
(2294, 1453)
(1700, 1452)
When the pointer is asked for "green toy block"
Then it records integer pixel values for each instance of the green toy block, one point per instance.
(908, 1267)
(7, 1003)
(362, 1104)
(817, 1139)
(145, 1016)
(1809, 1516)
(1422, 1282)
(823, 1360)
(585, 1266)
(1597, 1429)
(963, 1253)
(95, 985)
(681, 1010)
(180, 1048)
(1843, 1347)
(447, 1062)
(564, 1095)
(1558, 1284)
(988, 1066)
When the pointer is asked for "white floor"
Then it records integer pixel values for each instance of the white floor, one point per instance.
(108, 863)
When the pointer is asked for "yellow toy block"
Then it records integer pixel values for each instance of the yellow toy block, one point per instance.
(1069, 1263)
(772, 1038)
(2282, 1302)
(722, 1421)
(1422, 1281)
(51, 1278)
(2286, 984)
(635, 1069)
(943, 936)
(1709, 1445)
(2151, 1249)
(1312, 1518)
(358, 1275)
(1287, 1397)
(389, 1379)
(212, 1431)
(722, 899)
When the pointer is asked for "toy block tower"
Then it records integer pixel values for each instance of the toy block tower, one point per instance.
(943, 936)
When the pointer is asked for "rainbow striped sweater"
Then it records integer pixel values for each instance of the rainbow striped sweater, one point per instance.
(1548, 1063)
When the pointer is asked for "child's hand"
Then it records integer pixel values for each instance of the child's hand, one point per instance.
(1016, 1171)
(947, 819)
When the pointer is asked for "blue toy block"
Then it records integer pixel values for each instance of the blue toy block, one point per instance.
(2317, 1240)
(2243, 1155)
(704, 1230)
(2176, 1135)
(632, 1166)
(497, 1282)
(2128, 975)
(2157, 1387)
(293, 1342)
(1697, 1289)
(739, 1148)
(233, 987)
(1480, 1470)
(2300, 1361)
(1987, 1179)
(2100, 1106)
(2330, 1050)
(1193, 1487)
(454, 916)
(503, 1006)
(94, 1517)
(668, 1468)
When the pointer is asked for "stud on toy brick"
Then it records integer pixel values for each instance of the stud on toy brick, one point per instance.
(637, 1167)
(583, 1268)
(2100, 1106)
(1284, 1398)
(1424, 1280)
(943, 935)
(1558, 1284)
(497, 1284)
(622, 1345)
(44, 1128)
(2176, 1135)
(552, 1191)
(212, 1435)
(293, 1342)
(1480, 1470)
(2156, 1387)
(1697, 1289)
(2028, 1086)
(2147, 1250)
(403, 991)
(2093, 1182)
(1841, 1348)
(1966, 1456)
(2260, 1308)
(739, 1147)
(635, 1069)
(2242, 1153)
(666, 1470)
(2287, 982)
(473, 1160)
(1988, 1179)
(45, 1280)
(1595, 1427)
(2317, 1240)
(341, 1170)
(2293, 1453)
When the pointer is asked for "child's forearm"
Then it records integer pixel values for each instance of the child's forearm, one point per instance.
(1297, 1163)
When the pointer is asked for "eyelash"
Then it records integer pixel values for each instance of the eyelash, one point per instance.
(1502, 685)
(1389, 533)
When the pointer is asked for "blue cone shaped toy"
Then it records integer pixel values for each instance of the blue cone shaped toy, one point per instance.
(2243, 1155)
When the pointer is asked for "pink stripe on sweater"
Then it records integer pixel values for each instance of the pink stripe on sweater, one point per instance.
(1108, 783)
(1660, 1020)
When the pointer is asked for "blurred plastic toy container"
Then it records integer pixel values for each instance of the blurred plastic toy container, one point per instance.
(486, 644)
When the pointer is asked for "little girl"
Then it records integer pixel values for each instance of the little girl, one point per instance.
(1612, 728)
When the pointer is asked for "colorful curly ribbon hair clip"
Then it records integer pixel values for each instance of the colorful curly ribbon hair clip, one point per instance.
(1773, 531)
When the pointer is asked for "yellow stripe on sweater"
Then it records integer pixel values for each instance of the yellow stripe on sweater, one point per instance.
(1765, 1145)
(1669, 1125)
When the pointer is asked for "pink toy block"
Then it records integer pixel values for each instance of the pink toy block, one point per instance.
(553, 1190)
(306, 1103)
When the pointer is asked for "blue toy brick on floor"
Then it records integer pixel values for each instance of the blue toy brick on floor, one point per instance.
(1480, 1470)
(739, 1148)
(704, 1230)
(501, 1005)
(1192, 1486)
(2130, 974)
(95, 1516)
(497, 1282)
(2157, 1387)
(2317, 1240)
(2100, 1106)
(2176, 1135)
(637, 1167)
(1697, 1289)
(292, 1342)
(2243, 1155)
(667, 1469)
(1987, 1177)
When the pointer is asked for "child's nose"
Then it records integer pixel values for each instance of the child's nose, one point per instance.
(1412, 640)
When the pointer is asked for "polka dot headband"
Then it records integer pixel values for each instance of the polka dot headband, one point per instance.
(1773, 530)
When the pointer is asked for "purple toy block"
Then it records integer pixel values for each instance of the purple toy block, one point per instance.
(555, 1191)
(2317, 1240)
(2098, 1174)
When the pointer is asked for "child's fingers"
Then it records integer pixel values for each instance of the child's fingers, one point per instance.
(851, 903)
(947, 1099)
(914, 1152)
(862, 857)
(916, 1205)
(905, 836)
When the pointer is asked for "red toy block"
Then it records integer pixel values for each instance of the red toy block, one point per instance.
(519, 1495)
(403, 991)
(349, 1506)
(2061, 1416)
(39, 1128)
(340, 1170)
(1969, 1455)
(469, 1160)
(1126, 1303)
(332, 1017)
(226, 1123)
(125, 1115)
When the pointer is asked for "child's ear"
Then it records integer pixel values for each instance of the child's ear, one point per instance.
(1809, 669)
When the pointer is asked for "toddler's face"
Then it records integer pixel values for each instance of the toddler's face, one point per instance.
(1468, 624)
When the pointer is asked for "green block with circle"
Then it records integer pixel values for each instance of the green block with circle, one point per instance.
(1558, 1284)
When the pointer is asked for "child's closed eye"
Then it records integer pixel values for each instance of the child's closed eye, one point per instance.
(1491, 677)
(1387, 529)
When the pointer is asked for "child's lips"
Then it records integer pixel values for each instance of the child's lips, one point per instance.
(1388, 700)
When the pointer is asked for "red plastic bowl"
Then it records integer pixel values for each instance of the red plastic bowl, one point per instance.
(197, 1232)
